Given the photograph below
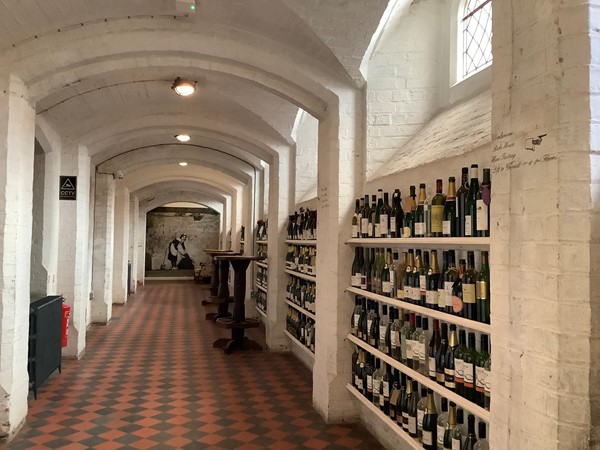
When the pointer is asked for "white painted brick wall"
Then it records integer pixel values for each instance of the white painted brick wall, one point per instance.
(307, 141)
(121, 243)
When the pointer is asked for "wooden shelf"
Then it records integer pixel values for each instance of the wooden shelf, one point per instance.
(261, 312)
(397, 430)
(460, 321)
(301, 275)
(299, 344)
(263, 265)
(453, 243)
(301, 242)
(480, 412)
(264, 289)
(302, 310)
(262, 242)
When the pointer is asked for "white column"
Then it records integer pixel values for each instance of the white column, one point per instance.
(17, 130)
(101, 305)
(141, 247)
(134, 214)
(121, 248)
(73, 257)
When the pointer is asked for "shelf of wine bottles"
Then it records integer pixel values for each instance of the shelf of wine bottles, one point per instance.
(261, 302)
(303, 242)
(301, 259)
(261, 265)
(302, 294)
(262, 249)
(301, 329)
(459, 213)
(302, 225)
(262, 277)
(262, 231)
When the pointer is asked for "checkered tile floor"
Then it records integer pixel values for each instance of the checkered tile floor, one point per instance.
(151, 380)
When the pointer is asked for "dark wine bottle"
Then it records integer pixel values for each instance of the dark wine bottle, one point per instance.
(356, 220)
(483, 205)
(356, 269)
(423, 279)
(412, 409)
(405, 391)
(409, 215)
(384, 217)
(459, 372)
(397, 215)
(441, 296)
(373, 218)
(416, 279)
(365, 217)
(469, 359)
(378, 208)
(369, 369)
(440, 356)
(431, 281)
(482, 290)
(407, 281)
(469, 283)
(449, 360)
(457, 292)
(461, 202)
(480, 372)
(437, 210)
(450, 276)
(420, 214)
(449, 224)
(471, 439)
(430, 423)
(471, 204)
(434, 344)
(386, 384)
(394, 396)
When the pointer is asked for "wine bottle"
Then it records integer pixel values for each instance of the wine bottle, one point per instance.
(384, 217)
(441, 296)
(457, 289)
(377, 377)
(450, 276)
(442, 423)
(420, 213)
(404, 401)
(450, 213)
(434, 344)
(483, 205)
(469, 282)
(356, 220)
(362, 321)
(460, 432)
(397, 215)
(431, 282)
(471, 439)
(378, 208)
(406, 339)
(400, 273)
(461, 202)
(409, 216)
(393, 263)
(355, 356)
(360, 365)
(412, 403)
(415, 344)
(459, 372)
(421, 409)
(424, 339)
(373, 217)
(356, 269)
(471, 203)
(416, 279)
(437, 210)
(387, 276)
(450, 426)
(365, 217)
(482, 443)
(407, 280)
(480, 373)
(423, 279)
(482, 290)
(368, 268)
(369, 369)
(386, 382)
(449, 360)
(430, 423)
(375, 282)
(488, 385)
(441, 355)
(355, 316)
(394, 396)
(396, 336)
(374, 327)
(384, 330)
(469, 358)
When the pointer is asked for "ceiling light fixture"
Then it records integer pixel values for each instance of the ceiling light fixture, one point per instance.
(183, 164)
(183, 137)
(184, 87)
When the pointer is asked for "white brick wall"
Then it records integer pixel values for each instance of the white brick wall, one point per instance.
(307, 141)
(121, 244)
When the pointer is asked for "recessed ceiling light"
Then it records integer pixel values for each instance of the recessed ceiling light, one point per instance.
(183, 164)
(183, 87)
(183, 137)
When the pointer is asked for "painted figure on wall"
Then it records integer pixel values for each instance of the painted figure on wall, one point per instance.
(178, 255)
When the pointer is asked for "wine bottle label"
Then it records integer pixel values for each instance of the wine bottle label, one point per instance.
(356, 378)
(440, 377)
(355, 231)
(437, 217)
(417, 350)
(370, 383)
(459, 371)
(409, 349)
(394, 338)
(468, 225)
(355, 280)
(431, 298)
(400, 294)
(427, 437)
(488, 383)
(457, 304)
(419, 229)
(420, 415)
(386, 287)
(369, 323)
(393, 225)
(381, 401)
(446, 229)
(482, 216)
(432, 367)
(448, 291)
(449, 381)
(481, 289)
(440, 436)
(456, 444)
(376, 385)
(407, 232)
(386, 389)
(412, 425)
(423, 283)
(363, 282)
(480, 375)
(376, 230)
(364, 226)
(468, 291)
(468, 374)
(360, 384)
(382, 330)
(383, 225)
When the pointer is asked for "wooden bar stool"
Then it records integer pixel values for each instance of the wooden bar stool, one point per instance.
(219, 287)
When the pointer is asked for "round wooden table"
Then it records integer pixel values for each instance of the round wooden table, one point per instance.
(238, 322)
(219, 288)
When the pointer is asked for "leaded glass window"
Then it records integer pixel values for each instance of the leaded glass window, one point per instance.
(477, 35)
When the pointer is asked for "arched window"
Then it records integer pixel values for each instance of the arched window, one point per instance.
(475, 22)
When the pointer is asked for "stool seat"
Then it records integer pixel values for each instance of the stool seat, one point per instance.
(227, 322)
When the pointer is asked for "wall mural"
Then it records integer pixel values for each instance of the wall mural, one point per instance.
(176, 238)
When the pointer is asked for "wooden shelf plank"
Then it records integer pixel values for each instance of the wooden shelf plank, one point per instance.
(264, 289)
(459, 321)
(403, 435)
(448, 242)
(262, 242)
(302, 310)
(311, 242)
(301, 275)
(483, 414)
(299, 344)
(263, 265)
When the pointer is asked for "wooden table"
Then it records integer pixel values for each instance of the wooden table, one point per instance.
(238, 322)
(219, 287)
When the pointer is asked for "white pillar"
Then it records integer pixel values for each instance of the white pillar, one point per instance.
(101, 305)
(73, 257)
(17, 130)
(141, 247)
(121, 248)
(134, 214)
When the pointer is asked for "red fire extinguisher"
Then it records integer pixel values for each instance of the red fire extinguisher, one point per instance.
(66, 313)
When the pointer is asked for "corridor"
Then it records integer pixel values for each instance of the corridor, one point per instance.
(151, 380)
